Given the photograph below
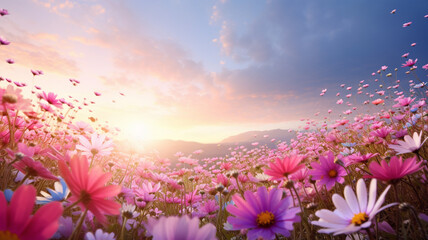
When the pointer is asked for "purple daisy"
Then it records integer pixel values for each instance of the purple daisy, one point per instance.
(328, 172)
(263, 213)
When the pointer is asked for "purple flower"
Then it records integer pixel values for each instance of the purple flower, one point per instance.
(327, 172)
(179, 228)
(263, 214)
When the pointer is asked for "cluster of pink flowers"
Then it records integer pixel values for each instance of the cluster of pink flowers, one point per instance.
(64, 179)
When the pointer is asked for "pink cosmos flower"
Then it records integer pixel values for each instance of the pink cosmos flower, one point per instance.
(222, 179)
(425, 66)
(395, 169)
(4, 41)
(98, 146)
(393, 11)
(33, 168)
(328, 172)
(382, 132)
(97, 94)
(10, 61)
(12, 98)
(209, 209)
(378, 101)
(81, 127)
(179, 228)
(405, 101)
(407, 24)
(51, 99)
(282, 167)
(16, 221)
(405, 55)
(409, 63)
(356, 158)
(4, 12)
(88, 187)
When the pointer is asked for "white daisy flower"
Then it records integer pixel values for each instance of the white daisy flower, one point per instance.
(354, 212)
(409, 144)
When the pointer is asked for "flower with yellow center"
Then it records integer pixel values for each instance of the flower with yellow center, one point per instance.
(353, 212)
(359, 219)
(264, 214)
(265, 219)
(6, 235)
(332, 173)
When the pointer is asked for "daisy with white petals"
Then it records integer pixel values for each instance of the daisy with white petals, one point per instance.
(409, 144)
(354, 212)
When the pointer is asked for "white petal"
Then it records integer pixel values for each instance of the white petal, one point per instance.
(330, 217)
(328, 225)
(349, 229)
(362, 194)
(351, 199)
(380, 201)
(417, 139)
(372, 214)
(372, 195)
(342, 206)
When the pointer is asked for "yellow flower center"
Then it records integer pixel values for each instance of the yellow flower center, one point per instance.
(332, 173)
(359, 219)
(265, 219)
(6, 235)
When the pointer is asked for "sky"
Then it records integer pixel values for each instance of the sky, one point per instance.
(205, 70)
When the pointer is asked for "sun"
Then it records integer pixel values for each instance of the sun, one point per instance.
(136, 132)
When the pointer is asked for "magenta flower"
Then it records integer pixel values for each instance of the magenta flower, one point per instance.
(10, 61)
(395, 169)
(263, 213)
(16, 221)
(407, 24)
(409, 63)
(282, 167)
(425, 66)
(382, 133)
(4, 41)
(51, 99)
(328, 172)
(33, 168)
(179, 228)
(4, 12)
(356, 158)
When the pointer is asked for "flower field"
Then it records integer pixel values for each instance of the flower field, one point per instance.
(362, 174)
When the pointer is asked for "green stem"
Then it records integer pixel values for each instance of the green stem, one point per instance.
(72, 205)
(122, 232)
(76, 232)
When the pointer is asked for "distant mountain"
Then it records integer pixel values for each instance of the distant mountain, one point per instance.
(261, 136)
(169, 148)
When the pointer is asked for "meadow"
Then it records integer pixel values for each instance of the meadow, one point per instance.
(361, 174)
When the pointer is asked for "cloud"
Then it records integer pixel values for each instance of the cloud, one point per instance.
(38, 51)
